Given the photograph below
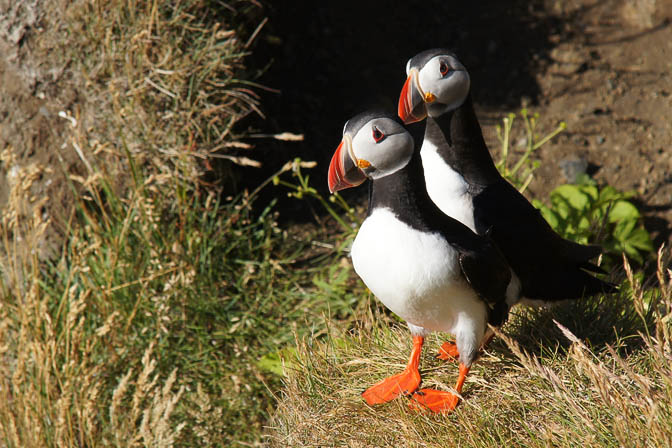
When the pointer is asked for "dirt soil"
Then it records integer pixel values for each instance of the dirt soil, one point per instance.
(604, 67)
(36, 83)
(612, 83)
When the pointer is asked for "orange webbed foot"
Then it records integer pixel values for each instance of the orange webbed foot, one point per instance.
(448, 352)
(437, 401)
(404, 383)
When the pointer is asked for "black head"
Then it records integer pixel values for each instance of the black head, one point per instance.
(375, 144)
(437, 83)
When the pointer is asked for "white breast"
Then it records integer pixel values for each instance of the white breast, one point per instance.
(446, 187)
(416, 275)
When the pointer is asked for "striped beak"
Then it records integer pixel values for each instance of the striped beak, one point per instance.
(412, 100)
(343, 170)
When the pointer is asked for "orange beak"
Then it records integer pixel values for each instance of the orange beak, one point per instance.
(411, 101)
(343, 170)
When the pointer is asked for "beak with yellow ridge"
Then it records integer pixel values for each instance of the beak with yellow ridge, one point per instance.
(345, 171)
(412, 100)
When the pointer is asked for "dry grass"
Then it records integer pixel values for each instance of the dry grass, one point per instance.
(158, 83)
(140, 331)
(158, 319)
(58, 351)
(161, 318)
(587, 391)
(148, 328)
(169, 75)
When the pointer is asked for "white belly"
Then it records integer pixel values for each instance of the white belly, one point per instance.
(446, 187)
(416, 275)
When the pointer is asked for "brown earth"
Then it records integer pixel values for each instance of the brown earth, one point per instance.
(35, 86)
(612, 84)
(604, 67)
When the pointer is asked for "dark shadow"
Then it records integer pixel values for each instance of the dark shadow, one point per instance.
(592, 169)
(601, 321)
(597, 322)
(332, 60)
(659, 228)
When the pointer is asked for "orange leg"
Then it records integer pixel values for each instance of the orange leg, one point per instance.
(440, 401)
(404, 383)
(448, 351)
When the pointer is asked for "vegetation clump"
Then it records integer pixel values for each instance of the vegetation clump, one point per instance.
(148, 325)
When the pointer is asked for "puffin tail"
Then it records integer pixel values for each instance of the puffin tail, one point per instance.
(593, 285)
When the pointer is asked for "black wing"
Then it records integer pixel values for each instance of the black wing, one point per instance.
(488, 273)
(549, 266)
(483, 265)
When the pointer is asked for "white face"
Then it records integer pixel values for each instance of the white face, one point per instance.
(447, 80)
(383, 143)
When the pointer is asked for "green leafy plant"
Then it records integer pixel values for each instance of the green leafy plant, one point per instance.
(521, 173)
(302, 188)
(588, 213)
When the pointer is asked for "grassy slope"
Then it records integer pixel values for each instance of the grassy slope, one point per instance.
(545, 389)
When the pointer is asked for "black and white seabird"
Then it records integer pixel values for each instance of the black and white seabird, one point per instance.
(463, 181)
(428, 268)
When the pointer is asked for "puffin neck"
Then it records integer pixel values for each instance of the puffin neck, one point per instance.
(405, 193)
(459, 141)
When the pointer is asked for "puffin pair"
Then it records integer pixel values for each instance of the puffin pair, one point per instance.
(447, 244)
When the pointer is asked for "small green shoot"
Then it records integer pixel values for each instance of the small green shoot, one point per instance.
(521, 174)
(303, 189)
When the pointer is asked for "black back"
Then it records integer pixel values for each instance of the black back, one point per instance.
(548, 266)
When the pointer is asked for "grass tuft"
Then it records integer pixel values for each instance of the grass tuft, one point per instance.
(158, 324)
(165, 83)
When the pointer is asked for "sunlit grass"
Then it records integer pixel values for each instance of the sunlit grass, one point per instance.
(158, 323)
(553, 390)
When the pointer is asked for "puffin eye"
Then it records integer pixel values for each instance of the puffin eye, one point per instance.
(444, 69)
(377, 135)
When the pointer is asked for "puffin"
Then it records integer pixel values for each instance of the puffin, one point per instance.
(426, 267)
(464, 183)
